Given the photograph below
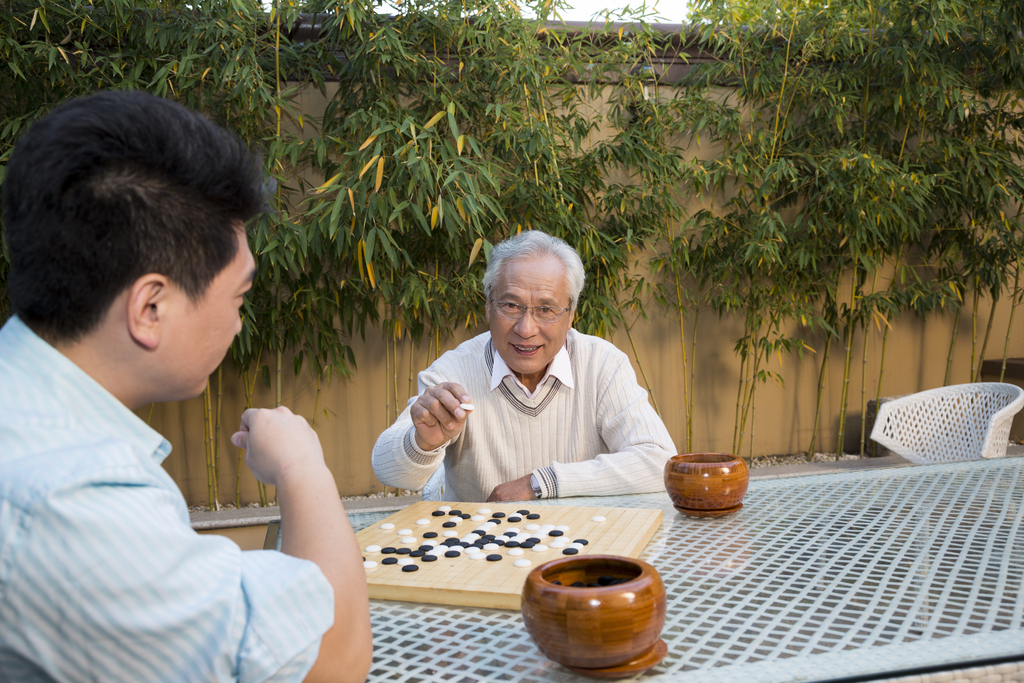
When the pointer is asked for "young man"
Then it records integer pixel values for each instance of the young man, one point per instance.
(124, 221)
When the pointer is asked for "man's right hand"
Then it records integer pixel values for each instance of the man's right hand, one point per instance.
(437, 416)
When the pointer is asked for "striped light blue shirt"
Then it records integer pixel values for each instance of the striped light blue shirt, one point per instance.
(101, 575)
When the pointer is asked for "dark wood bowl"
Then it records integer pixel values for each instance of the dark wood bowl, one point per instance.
(615, 627)
(706, 484)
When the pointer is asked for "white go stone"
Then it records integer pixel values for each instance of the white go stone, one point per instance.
(430, 542)
(522, 563)
(409, 540)
(560, 543)
(373, 548)
(450, 533)
(547, 527)
(445, 508)
(514, 530)
(597, 518)
(484, 511)
(563, 527)
(540, 548)
(369, 564)
(404, 532)
(515, 551)
(404, 561)
(468, 407)
(478, 556)
(477, 518)
(422, 522)
(491, 546)
(529, 527)
(578, 546)
(388, 526)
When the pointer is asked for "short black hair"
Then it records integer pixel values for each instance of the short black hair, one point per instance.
(109, 187)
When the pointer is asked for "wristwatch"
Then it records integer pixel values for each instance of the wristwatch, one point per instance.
(536, 485)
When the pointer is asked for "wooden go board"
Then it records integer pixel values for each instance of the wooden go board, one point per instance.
(480, 582)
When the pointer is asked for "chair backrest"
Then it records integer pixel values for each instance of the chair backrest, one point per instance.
(960, 422)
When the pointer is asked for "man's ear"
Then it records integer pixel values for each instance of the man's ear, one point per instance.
(146, 304)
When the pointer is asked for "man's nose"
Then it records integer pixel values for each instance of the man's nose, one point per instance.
(526, 326)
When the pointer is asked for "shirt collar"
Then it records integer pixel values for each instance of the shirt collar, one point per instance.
(62, 387)
(560, 368)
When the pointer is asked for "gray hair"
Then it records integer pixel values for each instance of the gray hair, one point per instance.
(533, 243)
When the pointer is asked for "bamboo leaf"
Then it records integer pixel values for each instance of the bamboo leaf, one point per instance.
(368, 165)
(434, 119)
(369, 141)
(476, 250)
(380, 174)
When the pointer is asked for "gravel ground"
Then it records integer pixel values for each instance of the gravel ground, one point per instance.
(797, 458)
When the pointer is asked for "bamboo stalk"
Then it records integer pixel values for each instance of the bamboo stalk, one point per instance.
(216, 435)
(984, 343)
(412, 373)
(316, 402)
(952, 346)
(643, 372)
(974, 327)
(682, 344)
(1014, 300)
(693, 364)
(206, 444)
(840, 447)
(864, 374)
(821, 391)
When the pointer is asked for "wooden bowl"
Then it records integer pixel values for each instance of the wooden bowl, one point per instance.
(706, 484)
(608, 631)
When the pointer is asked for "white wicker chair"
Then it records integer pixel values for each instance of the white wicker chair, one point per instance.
(961, 422)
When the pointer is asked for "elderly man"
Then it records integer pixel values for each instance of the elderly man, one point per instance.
(532, 408)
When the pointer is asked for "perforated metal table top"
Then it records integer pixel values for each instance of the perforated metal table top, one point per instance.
(816, 578)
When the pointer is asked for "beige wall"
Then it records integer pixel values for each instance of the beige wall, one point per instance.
(783, 417)
(358, 409)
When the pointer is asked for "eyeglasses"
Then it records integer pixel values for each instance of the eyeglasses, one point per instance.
(542, 314)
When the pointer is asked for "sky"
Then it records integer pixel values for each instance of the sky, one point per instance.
(665, 11)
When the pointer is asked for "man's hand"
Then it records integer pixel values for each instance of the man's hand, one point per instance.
(517, 489)
(437, 416)
(277, 443)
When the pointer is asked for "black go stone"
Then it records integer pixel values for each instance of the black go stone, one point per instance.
(389, 560)
(499, 541)
(578, 584)
(555, 532)
(455, 513)
(523, 512)
(404, 551)
(465, 544)
(533, 516)
(606, 580)
(489, 537)
(557, 582)
(499, 515)
(493, 558)
(425, 548)
(570, 551)
(452, 553)
(438, 513)
(465, 516)
(582, 541)
(515, 519)
(410, 568)
(417, 553)
(593, 585)
(388, 551)
(512, 544)
(510, 533)
(448, 525)
(430, 534)
(496, 521)
(429, 558)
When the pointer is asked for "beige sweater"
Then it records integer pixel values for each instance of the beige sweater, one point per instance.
(600, 438)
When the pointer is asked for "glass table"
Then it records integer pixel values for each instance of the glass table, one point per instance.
(817, 578)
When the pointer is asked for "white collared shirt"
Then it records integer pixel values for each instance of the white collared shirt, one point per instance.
(560, 368)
